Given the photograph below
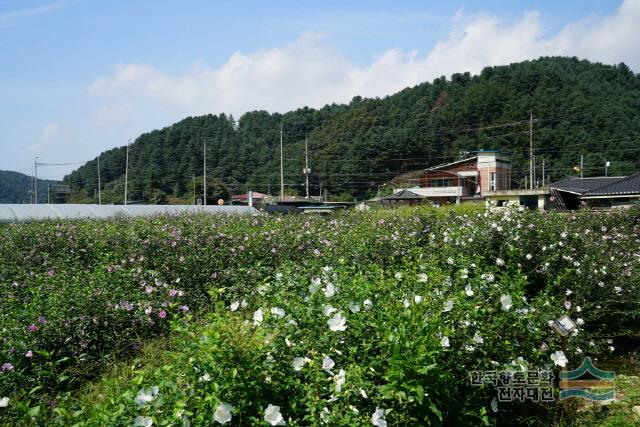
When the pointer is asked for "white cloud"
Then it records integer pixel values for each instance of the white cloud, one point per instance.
(10, 16)
(48, 135)
(612, 39)
(49, 132)
(307, 72)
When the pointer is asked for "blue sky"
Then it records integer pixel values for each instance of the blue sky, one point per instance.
(78, 77)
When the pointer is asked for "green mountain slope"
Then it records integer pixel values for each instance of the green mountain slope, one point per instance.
(15, 187)
(579, 108)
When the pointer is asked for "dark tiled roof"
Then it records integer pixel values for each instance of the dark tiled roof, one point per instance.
(583, 185)
(403, 194)
(601, 186)
(628, 185)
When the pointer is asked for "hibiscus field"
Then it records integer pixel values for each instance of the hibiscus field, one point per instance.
(362, 319)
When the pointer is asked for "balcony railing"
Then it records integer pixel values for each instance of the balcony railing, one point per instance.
(441, 191)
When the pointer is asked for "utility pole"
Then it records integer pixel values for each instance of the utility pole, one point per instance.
(531, 150)
(281, 167)
(35, 180)
(307, 171)
(99, 187)
(535, 178)
(581, 166)
(204, 178)
(126, 173)
(320, 195)
(543, 177)
(194, 188)
(48, 194)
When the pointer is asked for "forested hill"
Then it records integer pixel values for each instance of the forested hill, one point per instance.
(15, 187)
(578, 108)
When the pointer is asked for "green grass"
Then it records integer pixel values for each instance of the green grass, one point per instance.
(618, 414)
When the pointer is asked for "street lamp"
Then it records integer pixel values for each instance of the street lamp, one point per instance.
(564, 326)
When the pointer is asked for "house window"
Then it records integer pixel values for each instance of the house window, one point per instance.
(492, 183)
(440, 182)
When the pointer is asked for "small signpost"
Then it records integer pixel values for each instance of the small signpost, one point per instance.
(563, 327)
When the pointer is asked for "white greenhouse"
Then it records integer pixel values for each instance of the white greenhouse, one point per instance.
(21, 213)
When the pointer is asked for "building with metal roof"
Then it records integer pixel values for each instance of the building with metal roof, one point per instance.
(468, 179)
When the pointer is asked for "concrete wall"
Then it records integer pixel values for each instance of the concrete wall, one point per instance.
(538, 201)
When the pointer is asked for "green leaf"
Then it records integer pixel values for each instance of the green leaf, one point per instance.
(33, 412)
(33, 390)
(419, 393)
(436, 411)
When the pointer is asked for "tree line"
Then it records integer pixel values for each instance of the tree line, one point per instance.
(578, 107)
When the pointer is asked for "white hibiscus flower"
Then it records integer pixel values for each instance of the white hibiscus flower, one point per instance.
(258, 317)
(278, 312)
(328, 310)
(141, 421)
(559, 358)
(146, 396)
(377, 418)
(299, 362)
(337, 323)
(468, 290)
(328, 364)
(506, 302)
(444, 342)
(273, 416)
(339, 379)
(222, 414)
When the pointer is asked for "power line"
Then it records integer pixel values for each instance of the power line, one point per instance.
(421, 132)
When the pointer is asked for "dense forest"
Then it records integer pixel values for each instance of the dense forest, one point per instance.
(578, 107)
(16, 187)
